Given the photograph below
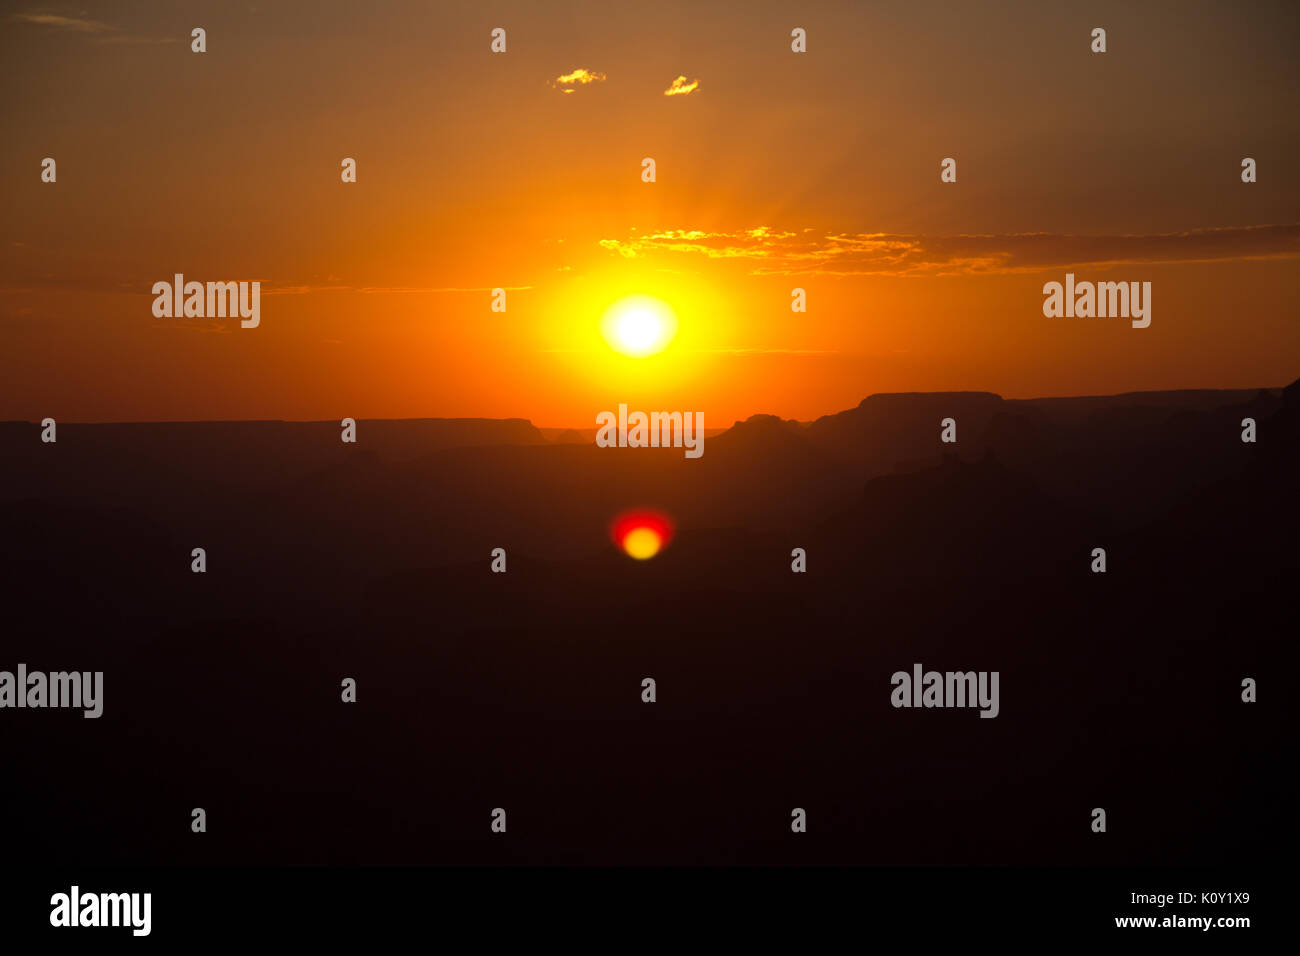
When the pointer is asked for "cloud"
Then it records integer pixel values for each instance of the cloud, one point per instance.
(184, 325)
(63, 23)
(777, 252)
(103, 32)
(579, 77)
(130, 38)
(738, 351)
(680, 87)
(273, 289)
(100, 284)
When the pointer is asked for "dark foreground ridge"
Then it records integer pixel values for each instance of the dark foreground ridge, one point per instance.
(521, 690)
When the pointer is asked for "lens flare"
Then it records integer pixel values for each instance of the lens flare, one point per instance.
(642, 533)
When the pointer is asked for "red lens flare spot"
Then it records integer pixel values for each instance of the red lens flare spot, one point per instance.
(642, 533)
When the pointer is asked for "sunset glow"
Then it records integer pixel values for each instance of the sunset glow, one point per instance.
(378, 292)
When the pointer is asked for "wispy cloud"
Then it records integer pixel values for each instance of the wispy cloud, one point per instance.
(758, 243)
(74, 24)
(39, 283)
(100, 31)
(680, 87)
(270, 288)
(185, 325)
(782, 252)
(129, 38)
(578, 78)
(738, 351)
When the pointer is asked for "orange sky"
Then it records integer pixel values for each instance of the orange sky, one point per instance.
(475, 170)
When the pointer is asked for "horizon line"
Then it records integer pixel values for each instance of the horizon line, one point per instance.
(531, 423)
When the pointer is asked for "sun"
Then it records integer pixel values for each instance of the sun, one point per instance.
(639, 325)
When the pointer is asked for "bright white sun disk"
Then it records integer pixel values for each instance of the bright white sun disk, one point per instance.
(639, 325)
